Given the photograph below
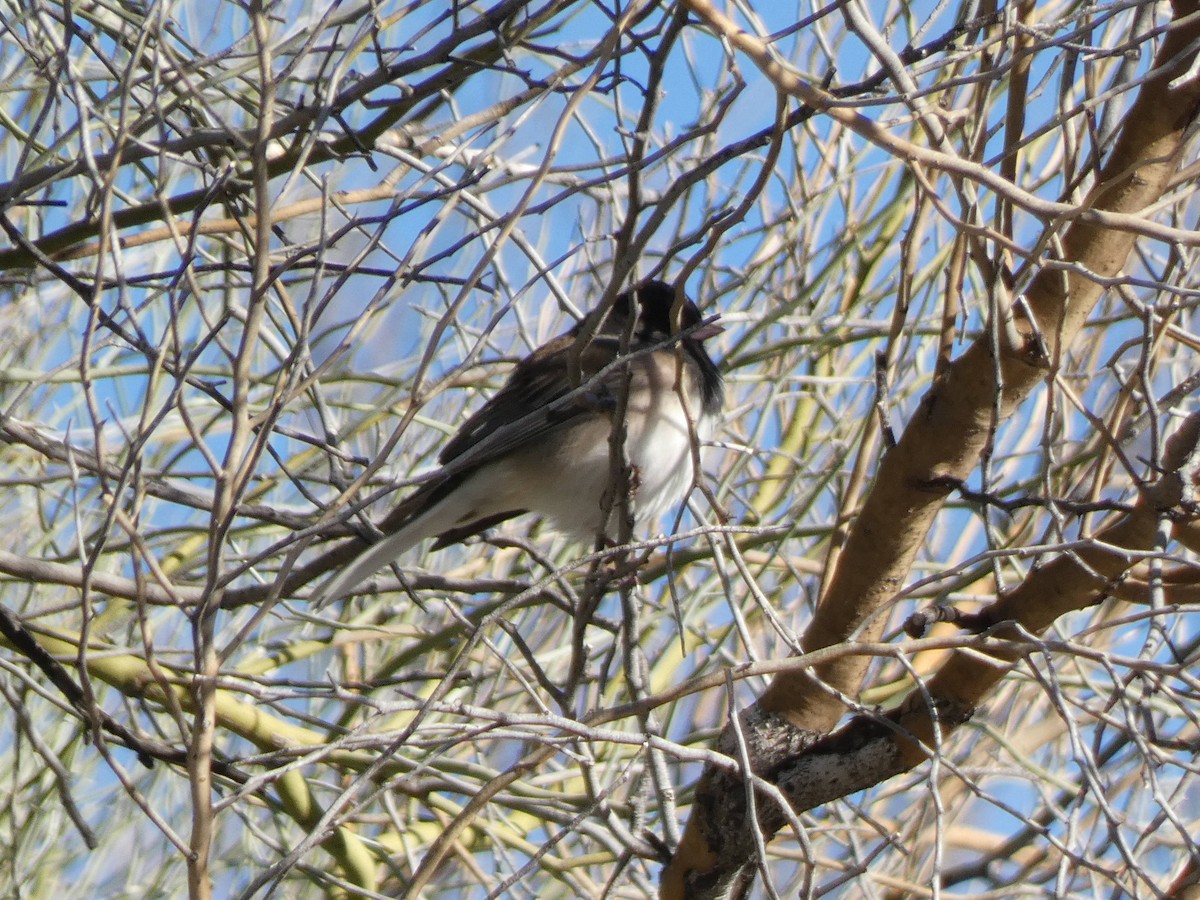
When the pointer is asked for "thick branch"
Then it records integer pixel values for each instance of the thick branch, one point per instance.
(940, 447)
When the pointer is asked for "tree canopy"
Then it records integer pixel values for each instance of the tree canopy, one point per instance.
(924, 627)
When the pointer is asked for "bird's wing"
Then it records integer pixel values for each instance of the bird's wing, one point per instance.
(538, 398)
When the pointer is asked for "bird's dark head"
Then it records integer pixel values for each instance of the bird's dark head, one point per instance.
(654, 301)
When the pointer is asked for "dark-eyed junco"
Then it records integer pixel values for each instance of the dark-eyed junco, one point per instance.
(542, 443)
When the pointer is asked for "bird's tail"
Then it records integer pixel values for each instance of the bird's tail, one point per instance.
(435, 508)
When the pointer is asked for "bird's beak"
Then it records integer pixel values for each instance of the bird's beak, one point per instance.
(711, 328)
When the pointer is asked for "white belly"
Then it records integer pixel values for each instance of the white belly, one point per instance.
(661, 446)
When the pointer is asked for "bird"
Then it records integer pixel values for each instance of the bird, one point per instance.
(542, 443)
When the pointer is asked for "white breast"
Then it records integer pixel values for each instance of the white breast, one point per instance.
(663, 440)
(661, 443)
